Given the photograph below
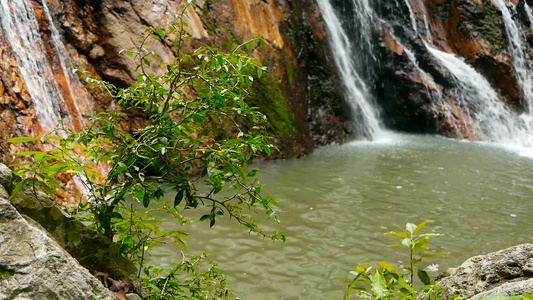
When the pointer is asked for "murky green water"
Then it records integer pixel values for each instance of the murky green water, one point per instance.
(340, 200)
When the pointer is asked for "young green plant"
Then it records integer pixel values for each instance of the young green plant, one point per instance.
(385, 281)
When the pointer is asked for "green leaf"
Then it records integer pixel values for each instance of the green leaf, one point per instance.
(410, 227)
(178, 198)
(115, 215)
(424, 277)
(205, 217)
(198, 118)
(27, 153)
(252, 173)
(379, 286)
(179, 242)
(419, 227)
(128, 240)
(190, 199)
(405, 285)
(428, 235)
(146, 199)
(20, 185)
(352, 285)
(160, 32)
(388, 267)
(402, 235)
(23, 139)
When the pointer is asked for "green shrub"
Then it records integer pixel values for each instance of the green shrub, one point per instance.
(199, 129)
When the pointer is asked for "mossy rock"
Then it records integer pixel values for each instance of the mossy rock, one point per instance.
(489, 27)
(92, 250)
(268, 97)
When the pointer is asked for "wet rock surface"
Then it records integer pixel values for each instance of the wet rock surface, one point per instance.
(94, 33)
(505, 272)
(94, 251)
(34, 266)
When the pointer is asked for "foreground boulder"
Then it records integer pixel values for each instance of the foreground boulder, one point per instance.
(505, 272)
(34, 266)
(92, 250)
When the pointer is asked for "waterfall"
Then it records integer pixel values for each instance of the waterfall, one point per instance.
(529, 14)
(71, 79)
(52, 100)
(493, 119)
(521, 64)
(352, 73)
(412, 15)
(19, 22)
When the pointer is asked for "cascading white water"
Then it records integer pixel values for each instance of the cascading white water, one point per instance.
(72, 79)
(19, 22)
(21, 27)
(529, 14)
(357, 90)
(420, 7)
(495, 121)
(412, 15)
(522, 65)
(22, 30)
(492, 119)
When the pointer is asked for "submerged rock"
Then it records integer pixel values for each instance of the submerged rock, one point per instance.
(34, 266)
(505, 272)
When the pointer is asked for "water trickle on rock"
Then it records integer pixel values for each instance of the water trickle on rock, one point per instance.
(522, 65)
(48, 82)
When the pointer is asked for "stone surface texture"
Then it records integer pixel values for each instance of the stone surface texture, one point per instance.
(505, 272)
(93, 250)
(34, 266)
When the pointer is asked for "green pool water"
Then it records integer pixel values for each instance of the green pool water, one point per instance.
(338, 202)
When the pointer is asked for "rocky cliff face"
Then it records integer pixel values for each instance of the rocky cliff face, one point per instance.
(301, 97)
(414, 88)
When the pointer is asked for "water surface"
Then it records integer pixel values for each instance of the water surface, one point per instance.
(338, 202)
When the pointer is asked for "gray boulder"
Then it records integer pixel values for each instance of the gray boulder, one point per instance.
(505, 272)
(34, 266)
(92, 250)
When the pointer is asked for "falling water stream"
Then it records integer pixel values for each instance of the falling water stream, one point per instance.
(529, 14)
(492, 119)
(20, 24)
(346, 55)
(521, 63)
